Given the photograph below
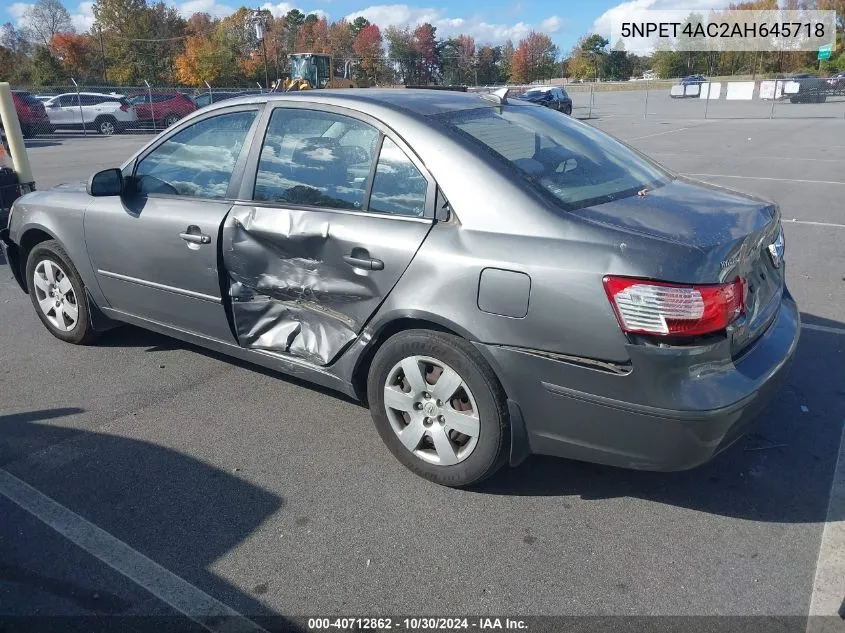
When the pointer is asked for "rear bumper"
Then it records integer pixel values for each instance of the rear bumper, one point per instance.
(674, 410)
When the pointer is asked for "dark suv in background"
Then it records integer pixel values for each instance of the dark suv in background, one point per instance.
(552, 97)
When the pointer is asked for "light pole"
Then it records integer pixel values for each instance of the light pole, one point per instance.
(259, 21)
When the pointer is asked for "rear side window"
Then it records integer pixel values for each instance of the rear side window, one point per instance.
(197, 161)
(399, 187)
(68, 100)
(317, 159)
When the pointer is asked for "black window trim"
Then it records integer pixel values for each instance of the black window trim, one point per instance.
(237, 171)
(247, 189)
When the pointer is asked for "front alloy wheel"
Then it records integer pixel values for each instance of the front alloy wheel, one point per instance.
(55, 296)
(58, 293)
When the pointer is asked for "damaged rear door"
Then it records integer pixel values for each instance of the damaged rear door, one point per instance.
(336, 211)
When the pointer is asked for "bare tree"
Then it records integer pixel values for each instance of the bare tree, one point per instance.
(45, 18)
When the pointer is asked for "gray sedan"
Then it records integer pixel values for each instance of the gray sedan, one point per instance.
(494, 279)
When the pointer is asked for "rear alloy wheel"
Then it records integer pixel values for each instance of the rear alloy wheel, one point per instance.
(170, 119)
(106, 126)
(439, 407)
(58, 294)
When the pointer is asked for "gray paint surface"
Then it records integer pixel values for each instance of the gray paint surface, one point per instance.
(291, 292)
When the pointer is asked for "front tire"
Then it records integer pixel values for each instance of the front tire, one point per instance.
(439, 407)
(58, 293)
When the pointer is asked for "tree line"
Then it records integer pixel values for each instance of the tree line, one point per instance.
(132, 41)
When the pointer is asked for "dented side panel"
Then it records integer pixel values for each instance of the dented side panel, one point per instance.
(291, 289)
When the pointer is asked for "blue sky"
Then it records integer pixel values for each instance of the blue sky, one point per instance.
(492, 21)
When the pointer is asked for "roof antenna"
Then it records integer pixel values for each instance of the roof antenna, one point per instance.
(499, 97)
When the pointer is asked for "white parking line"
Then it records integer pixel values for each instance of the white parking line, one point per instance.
(680, 129)
(162, 583)
(811, 223)
(814, 182)
(746, 157)
(829, 586)
(822, 328)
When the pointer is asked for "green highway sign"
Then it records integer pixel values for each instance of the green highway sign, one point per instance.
(824, 51)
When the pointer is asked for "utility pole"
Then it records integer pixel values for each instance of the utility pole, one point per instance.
(102, 51)
(259, 19)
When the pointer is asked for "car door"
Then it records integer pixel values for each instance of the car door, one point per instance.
(64, 110)
(336, 210)
(155, 249)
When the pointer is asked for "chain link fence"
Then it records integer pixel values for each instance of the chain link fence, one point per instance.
(108, 110)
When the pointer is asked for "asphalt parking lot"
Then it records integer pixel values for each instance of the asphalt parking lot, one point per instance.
(276, 498)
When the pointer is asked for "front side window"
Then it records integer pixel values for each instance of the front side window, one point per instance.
(314, 158)
(577, 165)
(197, 161)
(399, 188)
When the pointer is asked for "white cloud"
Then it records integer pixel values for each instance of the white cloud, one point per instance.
(215, 10)
(402, 15)
(83, 17)
(17, 10)
(602, 24)
(279, 10)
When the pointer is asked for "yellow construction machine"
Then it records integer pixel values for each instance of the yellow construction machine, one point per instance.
(314, 70)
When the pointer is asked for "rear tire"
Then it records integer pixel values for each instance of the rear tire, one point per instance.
(454, 435)
(58, 294)
(106, 125)
(170, 119)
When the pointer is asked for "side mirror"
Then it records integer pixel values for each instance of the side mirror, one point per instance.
(108, 182)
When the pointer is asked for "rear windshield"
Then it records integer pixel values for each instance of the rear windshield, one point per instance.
(570, 161)
(534, 93)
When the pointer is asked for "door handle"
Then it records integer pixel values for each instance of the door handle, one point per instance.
(195, 238)
(367, 263)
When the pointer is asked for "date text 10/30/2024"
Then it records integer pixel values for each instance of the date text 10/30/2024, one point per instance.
(417, 624)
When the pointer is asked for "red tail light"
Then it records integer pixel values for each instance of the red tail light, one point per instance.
(665, 309)
(124, 107)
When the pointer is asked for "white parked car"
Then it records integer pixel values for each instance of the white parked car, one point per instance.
(105, 113)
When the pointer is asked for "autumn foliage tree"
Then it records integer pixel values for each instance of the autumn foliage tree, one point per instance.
(368, 47)
(74, 52)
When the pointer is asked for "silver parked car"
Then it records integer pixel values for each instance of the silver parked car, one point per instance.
(494, 279)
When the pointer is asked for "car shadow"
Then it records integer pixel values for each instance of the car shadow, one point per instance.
(184, 514)
(780, 472)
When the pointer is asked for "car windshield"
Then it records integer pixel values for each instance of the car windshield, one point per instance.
(568, 160)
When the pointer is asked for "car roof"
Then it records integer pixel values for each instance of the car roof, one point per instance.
(417, 101)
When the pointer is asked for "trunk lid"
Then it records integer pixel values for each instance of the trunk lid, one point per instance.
(726, 233)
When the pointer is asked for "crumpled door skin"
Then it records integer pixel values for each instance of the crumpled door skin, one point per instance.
(289, 284)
